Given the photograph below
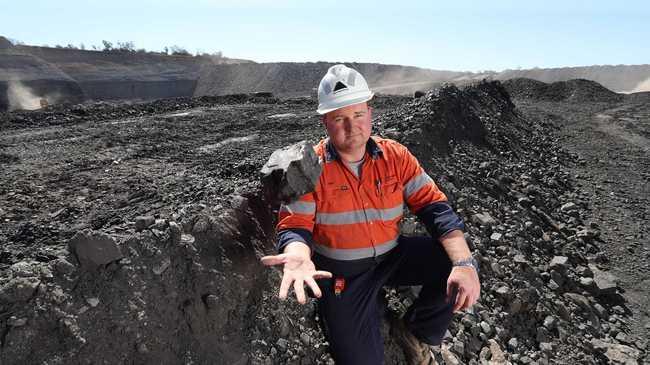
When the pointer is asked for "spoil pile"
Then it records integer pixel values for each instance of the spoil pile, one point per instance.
(545, 296)
(577, 90)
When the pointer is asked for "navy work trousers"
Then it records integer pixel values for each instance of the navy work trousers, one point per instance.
(352, 319)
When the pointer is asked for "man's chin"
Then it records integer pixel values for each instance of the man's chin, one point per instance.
(354, 139)
(351, 145)
(350, 142)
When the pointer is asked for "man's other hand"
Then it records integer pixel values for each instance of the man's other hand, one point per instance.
(298, 270)
(465, 279)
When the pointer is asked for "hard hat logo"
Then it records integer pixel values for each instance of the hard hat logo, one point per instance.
(341, 87)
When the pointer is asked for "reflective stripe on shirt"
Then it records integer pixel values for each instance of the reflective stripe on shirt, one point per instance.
(299, 207)
(348, 254)
(360, 216)
(416, 184)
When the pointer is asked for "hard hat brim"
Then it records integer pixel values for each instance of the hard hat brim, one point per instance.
(324, 109)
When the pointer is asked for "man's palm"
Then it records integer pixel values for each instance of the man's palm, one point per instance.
(298, 270)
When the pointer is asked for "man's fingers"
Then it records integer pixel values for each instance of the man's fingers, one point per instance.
(472, 298)
(274, 260)
(450, 291)
(300, 291)
(468, 302)
(284, 286)
(322, 275)
(460, 299)
(314, 287)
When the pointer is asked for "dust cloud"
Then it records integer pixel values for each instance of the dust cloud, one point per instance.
(400, 82)
(640, 87)
(22, 97)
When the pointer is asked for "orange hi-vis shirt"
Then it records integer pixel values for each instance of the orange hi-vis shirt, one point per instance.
(352, 218)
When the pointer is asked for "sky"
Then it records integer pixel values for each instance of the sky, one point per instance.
(442, 35)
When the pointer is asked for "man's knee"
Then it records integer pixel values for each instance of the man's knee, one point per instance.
(354, 341)
(431, 314)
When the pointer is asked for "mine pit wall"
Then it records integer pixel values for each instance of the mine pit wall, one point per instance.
(70, 59)
(95, 75)
(294, 79)
(137, 90)
(182, 293)
(4, 100)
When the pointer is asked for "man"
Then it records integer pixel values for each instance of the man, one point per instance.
(345, 234)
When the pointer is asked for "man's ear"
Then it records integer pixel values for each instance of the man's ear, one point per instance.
(323, 119)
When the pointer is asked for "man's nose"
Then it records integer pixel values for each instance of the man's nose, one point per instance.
(347, 124)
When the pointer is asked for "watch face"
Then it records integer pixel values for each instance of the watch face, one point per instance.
(475, 263)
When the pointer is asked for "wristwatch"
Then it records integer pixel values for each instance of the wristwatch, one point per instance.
(470, 261)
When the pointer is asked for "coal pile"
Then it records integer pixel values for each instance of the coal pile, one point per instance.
(545, 297)
(612, 142)
(449, 115)
(576, 90)
(138, 238)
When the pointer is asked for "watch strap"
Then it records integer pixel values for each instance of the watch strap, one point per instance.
(470, 261)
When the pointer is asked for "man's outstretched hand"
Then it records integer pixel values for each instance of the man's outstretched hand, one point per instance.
(298, 270)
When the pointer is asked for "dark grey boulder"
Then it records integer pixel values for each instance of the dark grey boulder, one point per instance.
(291, 172)
(93, 249)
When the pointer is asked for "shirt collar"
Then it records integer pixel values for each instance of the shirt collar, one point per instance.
(371, 147)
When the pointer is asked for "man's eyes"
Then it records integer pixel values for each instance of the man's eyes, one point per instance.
(340, 119)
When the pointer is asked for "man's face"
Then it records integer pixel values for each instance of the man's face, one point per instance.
(349, 127)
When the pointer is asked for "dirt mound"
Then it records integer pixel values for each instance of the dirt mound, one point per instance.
(577, 90)
(619, 78)
(527, 88)
(450, 114)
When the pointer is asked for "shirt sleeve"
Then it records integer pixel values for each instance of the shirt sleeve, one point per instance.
(296, 222)
(439, 219)
(424, 198)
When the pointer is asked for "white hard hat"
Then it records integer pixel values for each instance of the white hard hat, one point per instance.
(340, 87)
